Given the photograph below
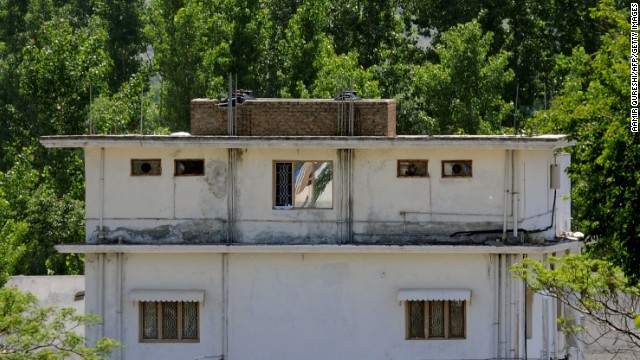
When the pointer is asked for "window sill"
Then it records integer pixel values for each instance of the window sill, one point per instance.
(283, 207)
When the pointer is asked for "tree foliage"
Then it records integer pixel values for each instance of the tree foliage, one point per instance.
(34, 218)
(592, 287)
(592, 108)
(461, 93)
(28, 331)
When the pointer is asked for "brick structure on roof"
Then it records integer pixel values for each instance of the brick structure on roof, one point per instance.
(295, 117)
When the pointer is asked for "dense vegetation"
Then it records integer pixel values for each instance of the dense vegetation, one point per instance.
(514, 67)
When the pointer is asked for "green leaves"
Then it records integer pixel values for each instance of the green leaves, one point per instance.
(591, 286)
(34, 218)
(593, 109)
(462, 93)
(30, 332)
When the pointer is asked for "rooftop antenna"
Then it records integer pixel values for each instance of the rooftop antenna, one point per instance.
(235, 113)
(90, 113)
(230, 107)
(141, 107)
(515, 111)
(351, 108)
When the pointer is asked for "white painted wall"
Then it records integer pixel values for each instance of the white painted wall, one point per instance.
(303, 306)
(382, 202)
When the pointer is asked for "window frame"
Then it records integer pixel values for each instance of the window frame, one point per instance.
(159, 328)
(175, 167)
(467, 162)
(427, 304)
(133, 161)
(274, 179)
(423, 161)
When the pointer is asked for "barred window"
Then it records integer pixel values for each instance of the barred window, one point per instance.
(436, 319)
(169, 321)
(302, 184)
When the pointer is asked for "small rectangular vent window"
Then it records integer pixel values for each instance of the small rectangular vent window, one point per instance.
(456, 168)
(413, 168)
(189, 167)
(146, 167)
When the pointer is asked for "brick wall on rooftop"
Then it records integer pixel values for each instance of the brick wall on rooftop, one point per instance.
(295, 117)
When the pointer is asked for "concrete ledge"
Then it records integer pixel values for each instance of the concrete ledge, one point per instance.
(310, 142)
(327, 249)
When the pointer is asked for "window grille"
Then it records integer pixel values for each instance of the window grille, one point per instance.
(436, 319)
(169, 321)
(416, 319)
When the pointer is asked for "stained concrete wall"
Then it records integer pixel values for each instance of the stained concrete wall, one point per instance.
(385, 208)
(165, 208)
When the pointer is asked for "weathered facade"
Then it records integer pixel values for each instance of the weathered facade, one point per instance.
(317, 246)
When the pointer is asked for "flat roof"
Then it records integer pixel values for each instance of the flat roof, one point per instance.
(336, 142)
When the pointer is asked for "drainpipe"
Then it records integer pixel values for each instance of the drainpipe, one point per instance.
(119, 302)
(225, 305)
(508, 309)
(502, 316)
(101, 227)
(544, 353)
(100, 295)
(514, 192)
(496, 304)
(506, 195)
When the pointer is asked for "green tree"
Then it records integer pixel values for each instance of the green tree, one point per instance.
(28, 331)
(60, 65)
(34, 218)
(532, 32)
(593, 109)
(592, 287)
(124, 24)
(191, 53)
(462, 93)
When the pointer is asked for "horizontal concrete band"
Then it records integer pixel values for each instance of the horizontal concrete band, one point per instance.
(312, 142)
(328, 249)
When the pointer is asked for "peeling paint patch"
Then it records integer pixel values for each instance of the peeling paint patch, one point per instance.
(283, 238)
(216, 178)
(189, 232)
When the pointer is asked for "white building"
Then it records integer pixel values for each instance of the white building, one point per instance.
(369, 246)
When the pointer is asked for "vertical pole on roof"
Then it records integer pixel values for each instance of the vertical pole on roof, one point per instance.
(338, 91)
(141, 107)
(230, 107)
(235, 113)
(351, 109)
(340, 107)
(515, 111)
(90, 104)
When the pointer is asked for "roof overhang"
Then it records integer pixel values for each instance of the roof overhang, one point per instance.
(319, 249)
(335, 142)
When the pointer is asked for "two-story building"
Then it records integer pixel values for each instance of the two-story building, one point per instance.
(306, 229)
